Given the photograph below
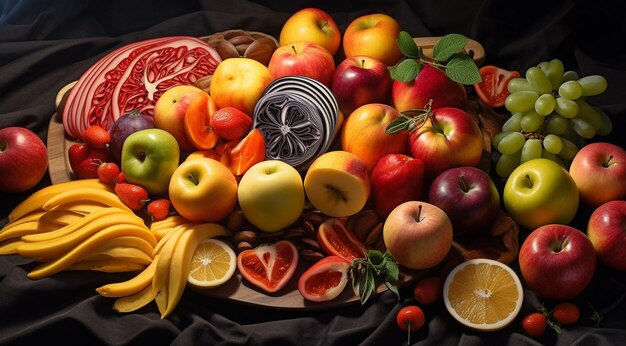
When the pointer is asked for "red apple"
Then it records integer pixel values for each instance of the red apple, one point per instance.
(360, 80)
(313, 25)
(449, 138)
(395, 179)
(303, 58)
(607, 231)
(373, 35)
(469, 197)
(599, 170)
(430, 83)
(23, 159)
(557, 261)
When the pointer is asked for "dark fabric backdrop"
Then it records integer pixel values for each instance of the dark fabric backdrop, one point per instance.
(45, 44)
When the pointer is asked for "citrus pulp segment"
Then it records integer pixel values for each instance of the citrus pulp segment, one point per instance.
(213, 264)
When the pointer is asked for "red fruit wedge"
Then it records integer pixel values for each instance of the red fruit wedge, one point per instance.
(336, 239)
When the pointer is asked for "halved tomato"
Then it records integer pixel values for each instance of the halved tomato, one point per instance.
(493, 88)
(197, 122)
(336, 239)
(269, 267)
(325, 280)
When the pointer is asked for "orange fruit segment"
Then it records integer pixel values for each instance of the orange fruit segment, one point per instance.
(213, 263)
(483, 294)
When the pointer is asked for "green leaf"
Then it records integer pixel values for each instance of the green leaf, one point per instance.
(400, 123)
(449, 45)
(375, 257)
(367, 285)
(407, 45)
(406, 70)
(393, 289)
(392, 272)
(462, 69)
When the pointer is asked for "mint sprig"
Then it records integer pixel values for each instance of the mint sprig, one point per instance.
(410, 120)
(448, 54)
(376, 267)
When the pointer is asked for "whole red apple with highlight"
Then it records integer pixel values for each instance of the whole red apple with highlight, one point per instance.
(302, 58)
(430, 83)
(360, 80)
(23, 159)
(599, 170)
(607, 231)
(170, 110)
(313, 25)
(395, 179)
(557, 261)
(373, 35)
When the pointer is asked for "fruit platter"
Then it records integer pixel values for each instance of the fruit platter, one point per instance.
(313, 170)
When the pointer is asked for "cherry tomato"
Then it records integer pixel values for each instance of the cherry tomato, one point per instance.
(428, 290)
(534, 324)
(566, 313)
(493, 88)
(410, 318)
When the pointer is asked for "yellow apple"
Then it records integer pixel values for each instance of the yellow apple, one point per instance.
(374, 35)
(271, 195)
(203, 190)
(170, 110)
(239, 83)
(313, 25)
(337, 183)
(363, 133)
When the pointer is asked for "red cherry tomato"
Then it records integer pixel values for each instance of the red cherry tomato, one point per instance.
(493, 88)
(336, 239)
(324, 280)
(566, 313)
(269, 267)
(534, 324)
(428, 290)
(410, 318)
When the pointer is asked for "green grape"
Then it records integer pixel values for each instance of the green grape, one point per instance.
(606, 127)
(511, 143)
(557, 124)
(565, 107)
(592, 85)
(569, 149)
(571, 90)
(498, 137)
(507, 163)
(595, 117)
(583, 128)
(531, 150)
(548, 155)
(518, 84)
(569, 75)
(538, 80)
(545, 104)
(513, 123)
(543, 66)
(531, 121)
(521, 101)
(553, 143)
(554, 71)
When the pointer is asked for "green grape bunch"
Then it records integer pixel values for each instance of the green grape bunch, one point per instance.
(550, 116)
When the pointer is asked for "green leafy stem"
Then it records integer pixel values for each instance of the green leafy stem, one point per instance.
(375, 267)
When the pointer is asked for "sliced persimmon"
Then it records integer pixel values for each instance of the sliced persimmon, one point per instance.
(198, 122)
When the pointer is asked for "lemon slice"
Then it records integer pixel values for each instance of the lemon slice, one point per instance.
(483, 294)
(213, 263)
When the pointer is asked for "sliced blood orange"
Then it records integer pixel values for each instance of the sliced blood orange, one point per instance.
(336, 239)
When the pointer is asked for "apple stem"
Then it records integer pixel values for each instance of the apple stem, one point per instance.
(294, 49)
(608, 162)
(559, 245)
(419, 213)
(192, 178)
(324, 23)
(530, 181)
(362, 63)
(464, 185)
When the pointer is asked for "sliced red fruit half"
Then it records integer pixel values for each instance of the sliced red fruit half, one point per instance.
(336, 239)
(325, 280)
(493, 88)
(269, 267)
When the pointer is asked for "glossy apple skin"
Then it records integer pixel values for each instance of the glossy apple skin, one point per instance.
(607, 231)
(302, 58)
(149, 158)
(449, 138)
(395, 179)
(363, 133)
(557, 261)
(169, 112)
(23, 159)
(360, 80)
(312, 25)
(271, 195)
(540, 192)
(599, 170)
(430, 83)
(373, 35)
(418, 234)
(239, 83)
(469, 197)
(203, 190)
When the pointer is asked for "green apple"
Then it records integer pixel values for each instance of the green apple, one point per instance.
(271, 195)
(149, 158)
(540, 192)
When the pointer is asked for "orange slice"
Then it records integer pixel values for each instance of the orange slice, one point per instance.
(483, 294)
(213, 264)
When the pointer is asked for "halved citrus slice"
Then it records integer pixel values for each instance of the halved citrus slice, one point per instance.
(213, 263)
(483, 294)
